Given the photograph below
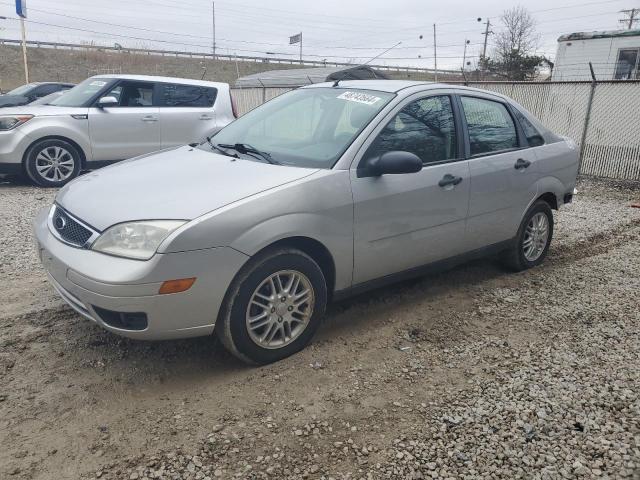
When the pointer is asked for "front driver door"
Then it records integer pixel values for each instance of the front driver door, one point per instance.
(128, 129)
(405, 221)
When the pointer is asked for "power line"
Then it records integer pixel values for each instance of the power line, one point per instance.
(633, 15)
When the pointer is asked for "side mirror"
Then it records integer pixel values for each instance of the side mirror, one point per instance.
(390, 163)
(107, 102)
(535, 140)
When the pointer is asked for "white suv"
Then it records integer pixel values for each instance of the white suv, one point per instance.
(108, 118)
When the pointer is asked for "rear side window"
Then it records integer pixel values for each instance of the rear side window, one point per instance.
(174, 95)
(534, 139)
(491, 128)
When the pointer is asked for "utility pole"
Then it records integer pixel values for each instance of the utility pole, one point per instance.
(213, 18)
(633, 15)
(435, 55)
(24, 50)
(486, 34)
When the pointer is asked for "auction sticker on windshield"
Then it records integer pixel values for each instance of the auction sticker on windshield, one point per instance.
(359, 97)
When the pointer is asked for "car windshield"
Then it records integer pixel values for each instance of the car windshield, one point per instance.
(309, 127)
(22, 90)
(82, 93)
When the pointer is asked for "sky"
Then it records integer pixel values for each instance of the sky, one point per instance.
(336, 30)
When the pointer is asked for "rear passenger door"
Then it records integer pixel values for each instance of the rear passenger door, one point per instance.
(187, 113)
(502, 169)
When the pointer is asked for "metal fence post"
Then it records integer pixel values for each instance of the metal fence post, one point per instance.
(587, 117)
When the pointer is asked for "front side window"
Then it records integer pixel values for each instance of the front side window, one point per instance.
(187, 96)
(132, 94)
(425, 127)
(490, 126)
(309, 127)
(627, 67)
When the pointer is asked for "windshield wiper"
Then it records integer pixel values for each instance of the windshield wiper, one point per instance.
(247, 149)
(216, 147)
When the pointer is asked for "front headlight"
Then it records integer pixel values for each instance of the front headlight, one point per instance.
(8, 122)
(137, 240)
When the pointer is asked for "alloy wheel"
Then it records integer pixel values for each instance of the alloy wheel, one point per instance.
(536, 236)
(280, 309)
(55, 163)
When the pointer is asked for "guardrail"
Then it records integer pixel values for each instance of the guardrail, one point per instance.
(232, 58)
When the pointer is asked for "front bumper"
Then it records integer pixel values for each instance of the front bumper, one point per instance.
(86, 279)
(13, 145)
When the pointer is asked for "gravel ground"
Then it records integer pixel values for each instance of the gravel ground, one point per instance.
(473, 373)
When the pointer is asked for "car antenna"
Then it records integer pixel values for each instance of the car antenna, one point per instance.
(336, 83)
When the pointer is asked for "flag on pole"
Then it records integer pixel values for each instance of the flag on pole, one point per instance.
(295, 39)
(21, 8)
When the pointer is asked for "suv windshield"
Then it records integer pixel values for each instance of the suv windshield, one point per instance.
(81, 94)
(23, 89)
(309, 127)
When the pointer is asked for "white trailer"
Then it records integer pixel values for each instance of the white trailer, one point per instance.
(615, 55)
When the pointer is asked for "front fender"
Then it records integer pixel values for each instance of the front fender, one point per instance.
(64, 126)
(319, 207)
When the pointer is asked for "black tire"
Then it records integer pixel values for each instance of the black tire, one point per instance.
(515, 257)
(232, 328)
(70, 157)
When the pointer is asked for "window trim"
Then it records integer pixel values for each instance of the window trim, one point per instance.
(521, 139)
(158, 92)
(457, 121)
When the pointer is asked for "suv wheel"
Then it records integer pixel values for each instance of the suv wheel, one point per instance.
(273, 307)
(52, 163)
(533, 239)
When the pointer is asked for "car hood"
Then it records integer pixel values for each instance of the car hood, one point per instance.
(12, 100)
(176, 184)
(42, 110)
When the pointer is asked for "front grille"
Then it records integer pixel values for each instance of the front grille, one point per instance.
(68, 229)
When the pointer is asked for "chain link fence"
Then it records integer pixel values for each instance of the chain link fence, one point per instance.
(603, 118)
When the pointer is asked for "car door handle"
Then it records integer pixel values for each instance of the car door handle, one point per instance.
(206, 117)
(521, 164)
(149, 118)
(449, 180)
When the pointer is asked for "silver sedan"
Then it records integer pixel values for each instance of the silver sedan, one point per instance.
(323, 192)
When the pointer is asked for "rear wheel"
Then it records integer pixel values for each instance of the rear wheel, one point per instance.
(273, 307)
(52, 162)
(533, 239)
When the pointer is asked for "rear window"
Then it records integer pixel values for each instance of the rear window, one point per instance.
(174, 95)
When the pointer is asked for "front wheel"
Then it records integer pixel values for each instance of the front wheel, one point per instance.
(273, 307)
(52, 163)
(533, 239)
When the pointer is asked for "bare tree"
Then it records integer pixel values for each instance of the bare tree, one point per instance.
(518, 34)
(513, 56)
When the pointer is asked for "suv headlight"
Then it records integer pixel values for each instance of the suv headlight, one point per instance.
(137, 240)
(9, 122)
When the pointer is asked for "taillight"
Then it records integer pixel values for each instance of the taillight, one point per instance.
(234, 107)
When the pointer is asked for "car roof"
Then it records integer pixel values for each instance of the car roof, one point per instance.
(154, 78)
(395, 86)
(52, 83)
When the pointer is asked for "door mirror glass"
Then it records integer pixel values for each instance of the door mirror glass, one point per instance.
(535, 140)
(107, 102)
(389, 163)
